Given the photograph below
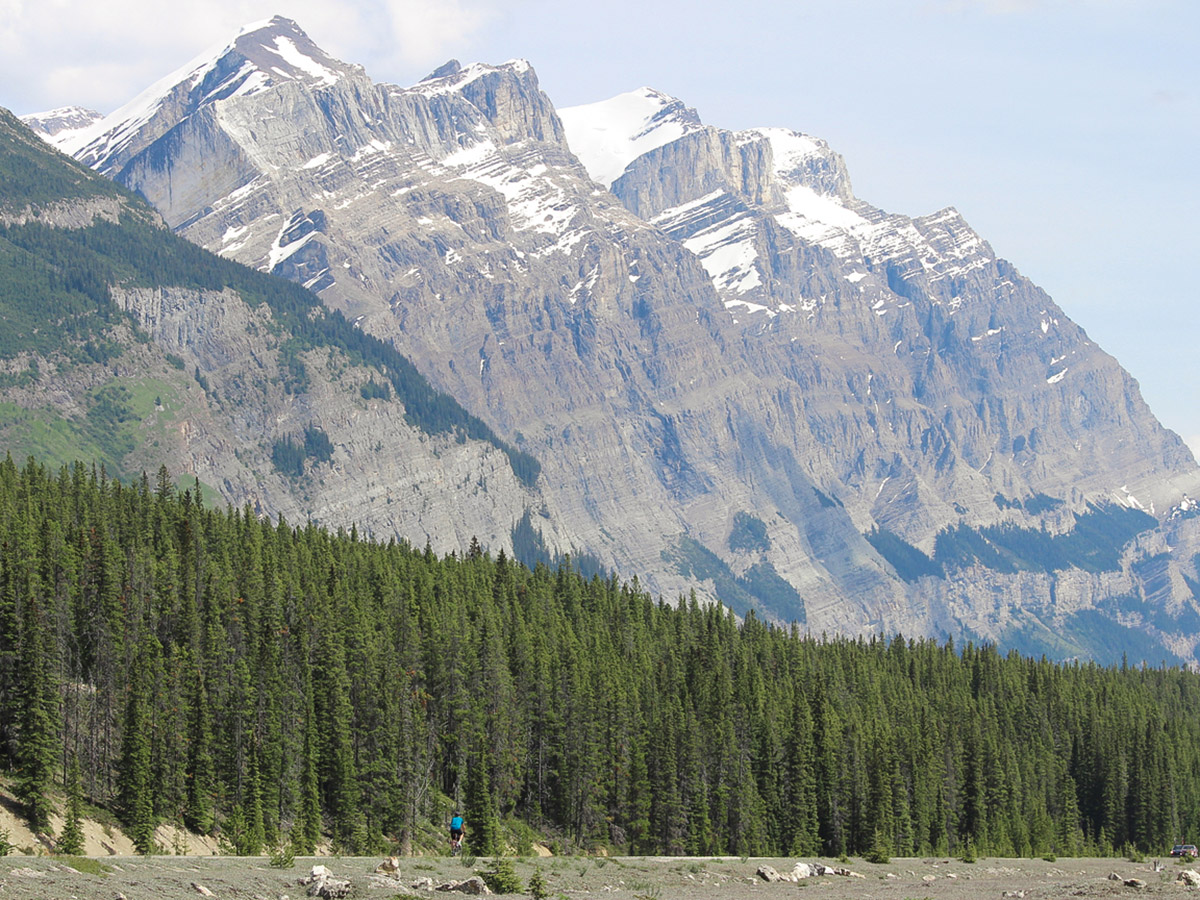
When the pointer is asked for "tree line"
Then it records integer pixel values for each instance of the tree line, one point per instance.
(274, 682)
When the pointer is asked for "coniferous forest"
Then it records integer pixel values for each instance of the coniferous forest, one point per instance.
(274, 682)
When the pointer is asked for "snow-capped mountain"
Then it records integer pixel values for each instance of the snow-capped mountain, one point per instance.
(749, 181)
(737, 376)
(261, 56)
(58, 124)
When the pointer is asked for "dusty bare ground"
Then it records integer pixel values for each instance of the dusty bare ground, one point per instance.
(574, 878)
(98, 839)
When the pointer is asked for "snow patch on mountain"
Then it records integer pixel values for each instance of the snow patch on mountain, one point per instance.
(290, 53)
(536, 201)
(821, 219)
(728, 254)
(282, 247)
(607, 136)
(57, 124)
(789, 149)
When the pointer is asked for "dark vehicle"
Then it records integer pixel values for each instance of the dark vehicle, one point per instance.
(1184, 850)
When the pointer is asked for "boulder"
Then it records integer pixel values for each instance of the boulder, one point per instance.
(768, 874)
(803, 870)
(317, 873)
(329, 889)
(473, 885)
(321, 883)
(389, 867)
(837, 870)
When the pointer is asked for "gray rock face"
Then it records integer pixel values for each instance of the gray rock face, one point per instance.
(979, 373)
(729, 367)
(405, 482)
(73, 214)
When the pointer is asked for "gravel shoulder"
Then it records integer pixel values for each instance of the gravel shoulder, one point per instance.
(593, 878)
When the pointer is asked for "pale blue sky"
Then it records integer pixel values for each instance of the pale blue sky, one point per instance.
(1065, 131)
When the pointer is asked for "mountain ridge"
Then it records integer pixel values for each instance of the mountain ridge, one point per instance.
(728, 332)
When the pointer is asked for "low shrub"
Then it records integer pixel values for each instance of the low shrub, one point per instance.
(502, 878)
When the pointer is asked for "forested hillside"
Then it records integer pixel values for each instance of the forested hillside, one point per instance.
(72, 271)
(280, 682)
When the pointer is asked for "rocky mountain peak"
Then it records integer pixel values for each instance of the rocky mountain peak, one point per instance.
(280, 50)
(799, 159)
(508, 95)
(261, 56)
(450, 67)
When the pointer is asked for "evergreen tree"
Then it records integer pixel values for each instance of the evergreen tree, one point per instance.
(39, 720)
(37, 708)
(70, 842)
(198, 814)
(483, 825)
(638, 802)
(307, 833)
(136, 797)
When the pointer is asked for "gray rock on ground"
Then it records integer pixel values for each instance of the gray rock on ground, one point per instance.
(321, 883)
(769, 874)
(802, 871)
(389, 867)
(473, 885)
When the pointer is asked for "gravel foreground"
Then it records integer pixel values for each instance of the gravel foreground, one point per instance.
(593, 878)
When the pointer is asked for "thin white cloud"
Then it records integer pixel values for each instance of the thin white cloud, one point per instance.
(60, 52)
(426, 30)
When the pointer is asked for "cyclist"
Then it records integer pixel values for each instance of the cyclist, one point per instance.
(456, 833)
